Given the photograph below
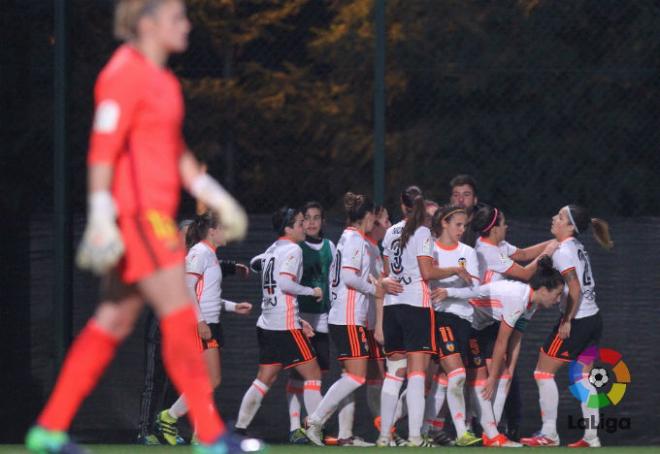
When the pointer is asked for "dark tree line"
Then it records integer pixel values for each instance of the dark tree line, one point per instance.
(544, 102)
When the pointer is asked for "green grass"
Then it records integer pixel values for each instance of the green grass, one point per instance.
(287, 449)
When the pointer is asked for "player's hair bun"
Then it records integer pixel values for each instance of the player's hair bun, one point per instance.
(350, 200)
(545, 264)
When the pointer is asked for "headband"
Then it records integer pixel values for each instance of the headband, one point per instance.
(453, 212)
(496, 213)
(290, 212)
(570, 218)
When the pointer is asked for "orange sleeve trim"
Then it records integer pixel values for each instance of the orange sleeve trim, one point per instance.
(568, 270)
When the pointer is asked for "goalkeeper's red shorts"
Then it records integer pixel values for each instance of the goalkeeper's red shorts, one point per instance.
(151, 242)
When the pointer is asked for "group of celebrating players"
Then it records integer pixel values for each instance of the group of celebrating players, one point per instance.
(445, 316)
(430, 306)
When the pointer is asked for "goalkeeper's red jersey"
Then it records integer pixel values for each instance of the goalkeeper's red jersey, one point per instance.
(137, 130)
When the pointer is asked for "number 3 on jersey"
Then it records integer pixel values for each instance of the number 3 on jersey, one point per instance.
(396, 264)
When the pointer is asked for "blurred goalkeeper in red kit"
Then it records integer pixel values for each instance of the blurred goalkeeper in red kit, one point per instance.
(137, 164)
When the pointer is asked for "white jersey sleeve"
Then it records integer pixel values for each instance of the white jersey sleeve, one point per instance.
(494, 260)
(196, 261)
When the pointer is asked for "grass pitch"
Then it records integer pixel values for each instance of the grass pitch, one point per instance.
(288, 449)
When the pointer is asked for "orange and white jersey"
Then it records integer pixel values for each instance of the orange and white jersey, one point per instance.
(281, 268)
(572, 256)
(349, 280)
(202, 263)
(449, 256)
(403, 265)
(376, 261)
(506, 301)
(494, 259)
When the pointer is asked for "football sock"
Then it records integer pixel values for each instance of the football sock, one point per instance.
(85, 362)
(251, 403)
(187, 369)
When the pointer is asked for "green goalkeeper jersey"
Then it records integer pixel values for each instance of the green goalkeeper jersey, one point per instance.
(316, 269)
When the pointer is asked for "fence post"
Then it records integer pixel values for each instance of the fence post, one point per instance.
(379, 102)
(63, 239)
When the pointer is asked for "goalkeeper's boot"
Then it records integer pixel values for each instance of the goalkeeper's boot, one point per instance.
(231, 443)
(42, 441)
(165, 428)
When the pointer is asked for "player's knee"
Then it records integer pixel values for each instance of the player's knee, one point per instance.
(397, 367)
(116, 321)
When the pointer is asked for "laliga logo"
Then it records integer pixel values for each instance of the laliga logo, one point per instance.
(599, 377)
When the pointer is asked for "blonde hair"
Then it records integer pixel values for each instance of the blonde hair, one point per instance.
(128, 14)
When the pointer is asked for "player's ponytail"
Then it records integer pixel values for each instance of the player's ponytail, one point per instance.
(414, 220)
(128, 14)
(357, 206)
(200, 226)
(579, 217)
(408, 197)
(444, 213)
(546, 275)
(485, 218)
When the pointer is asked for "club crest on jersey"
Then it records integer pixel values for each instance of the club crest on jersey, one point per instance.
(477, 360)
(450, 346)
(462, 262)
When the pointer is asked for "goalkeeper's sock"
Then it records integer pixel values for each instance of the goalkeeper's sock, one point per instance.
(88, 357)
(186, 368)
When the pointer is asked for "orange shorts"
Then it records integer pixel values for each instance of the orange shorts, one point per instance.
(151, 242)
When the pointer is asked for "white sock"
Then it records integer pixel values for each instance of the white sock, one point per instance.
(294, 392)
(345, 416)
(312, 395)
(434, 402)
(416, 388)
(178, 408)
(471, 407)
(374, 388)
(251, 403)
(401, 406)
(484, 409)
(501, 393)
(590, 414)
(548, 400)
(456, 399)
(389, 398)
(337, 392)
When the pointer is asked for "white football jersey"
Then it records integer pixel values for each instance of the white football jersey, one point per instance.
(571, 255)
(202, 262)
(403, 265)
(376, 261)
(504, 300)
(349, 306)
(460, 255)
(494, 259)
(279, 310)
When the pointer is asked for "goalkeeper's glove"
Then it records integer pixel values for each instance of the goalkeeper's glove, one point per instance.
(101, 246)
(233, 219)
